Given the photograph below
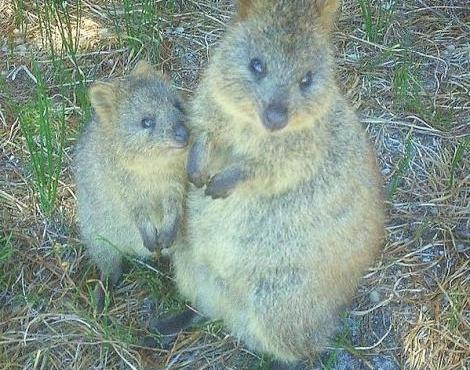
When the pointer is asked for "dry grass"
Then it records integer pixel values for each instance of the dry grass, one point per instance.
(410, 83)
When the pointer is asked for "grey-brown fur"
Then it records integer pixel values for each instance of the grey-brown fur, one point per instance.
(130, 179)
(302, 218)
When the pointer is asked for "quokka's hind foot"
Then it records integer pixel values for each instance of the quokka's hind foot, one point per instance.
(100, 297)
(281, 365)
(106, 286)
(173, 324)
(169, 327)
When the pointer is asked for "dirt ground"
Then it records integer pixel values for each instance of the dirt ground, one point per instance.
(403, 64)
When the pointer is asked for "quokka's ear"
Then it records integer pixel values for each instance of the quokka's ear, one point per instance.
(142, 68)
(327, 10)
(104, 99)
(244, 8)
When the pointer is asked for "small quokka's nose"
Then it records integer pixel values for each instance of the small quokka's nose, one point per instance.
(275, 116)
(181, 133)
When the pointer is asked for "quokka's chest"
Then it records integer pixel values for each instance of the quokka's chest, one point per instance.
(248, 224)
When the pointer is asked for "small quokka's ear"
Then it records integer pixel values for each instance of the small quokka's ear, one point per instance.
(142, 68)
(103, 99)
(244, 8)
(327, 10)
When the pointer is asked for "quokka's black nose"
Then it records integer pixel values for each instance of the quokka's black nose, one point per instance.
(275, 116)
(181, 133)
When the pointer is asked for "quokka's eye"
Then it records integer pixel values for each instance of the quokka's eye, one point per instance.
(179, 106)
(306, 81)
(257, 67)
(148, 123)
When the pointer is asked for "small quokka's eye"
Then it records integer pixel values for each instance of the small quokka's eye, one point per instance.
(306, 81)
(179, 106)
(257, 67)
(148, 122)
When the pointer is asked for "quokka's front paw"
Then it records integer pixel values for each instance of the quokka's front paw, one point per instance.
(166, 236)
(149, 236)
(197, 173)
(224, 183)
(198, 178)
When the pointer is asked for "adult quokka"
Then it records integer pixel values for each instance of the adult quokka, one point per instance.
(289, 213)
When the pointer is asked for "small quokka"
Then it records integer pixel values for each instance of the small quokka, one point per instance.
(130, 171)
(290, 213)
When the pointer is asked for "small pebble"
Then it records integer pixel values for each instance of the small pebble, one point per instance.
(451, 48)
(385, 171)
(21, 50)
(179, 30)
(374, 296)
(461, 247)
(104, 33)
(353, 57)
(384, 363)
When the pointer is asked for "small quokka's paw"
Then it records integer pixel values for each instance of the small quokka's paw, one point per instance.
(150, 240)
(223, 184)
(148, 233)
(166, 237)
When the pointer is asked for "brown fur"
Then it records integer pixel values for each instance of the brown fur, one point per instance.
(283, 253)
(130, 179)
